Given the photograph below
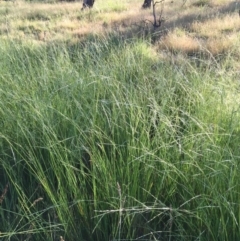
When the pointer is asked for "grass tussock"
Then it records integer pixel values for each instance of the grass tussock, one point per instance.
(215, 28)
(217, 36)
(103, 138)
(179, 40)
(221, 45)
(111, 138)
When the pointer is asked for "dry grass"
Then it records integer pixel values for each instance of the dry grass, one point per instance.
(179, 40)
(221, 25)
(4, 194)
(221, 44)
(213, 30)
(193, 26)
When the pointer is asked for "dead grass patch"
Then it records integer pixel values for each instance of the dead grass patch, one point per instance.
(180, 41)
(221, 44)
(67, 24)
(84, 30)
(189, 44)
(217, 26)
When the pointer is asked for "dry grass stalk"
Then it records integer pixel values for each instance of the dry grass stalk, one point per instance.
(36, 201)
(61, 238)
(4, 193)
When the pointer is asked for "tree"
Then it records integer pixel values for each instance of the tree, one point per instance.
(147, 4)
(88, 3)
(157, 20)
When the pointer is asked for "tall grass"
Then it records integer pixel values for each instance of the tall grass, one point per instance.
(102, 140)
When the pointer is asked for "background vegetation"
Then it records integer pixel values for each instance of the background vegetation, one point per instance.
(110, 130)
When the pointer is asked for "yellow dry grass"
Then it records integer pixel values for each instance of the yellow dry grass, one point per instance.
(222, 44)
(179, 40)
(221, 25)
(214, 30)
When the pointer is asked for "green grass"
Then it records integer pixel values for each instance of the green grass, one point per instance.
(102, 140)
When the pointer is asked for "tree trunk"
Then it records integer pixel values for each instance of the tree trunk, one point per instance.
(88, 4)
(147, 4)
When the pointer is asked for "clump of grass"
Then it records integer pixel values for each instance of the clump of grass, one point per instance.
(201, 3)
(217, 27)
(180, 41)
(118, 143)
(38, 15)
(221, 45)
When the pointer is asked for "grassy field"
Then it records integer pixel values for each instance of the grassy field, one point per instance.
(111, 130)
